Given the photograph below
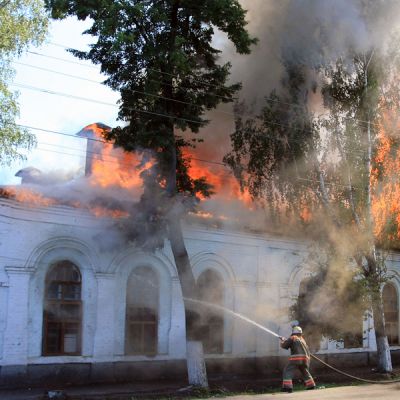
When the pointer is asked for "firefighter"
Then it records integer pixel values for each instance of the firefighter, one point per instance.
(299, 360)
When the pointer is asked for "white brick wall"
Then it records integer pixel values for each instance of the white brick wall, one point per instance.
(257, 271)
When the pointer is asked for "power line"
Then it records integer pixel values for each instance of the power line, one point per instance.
(100, 83)
(116, 162)
(150, 112)
(22, 85)
(152, 69)
(151, 80)
(346, 186)
(58, 72)
(62, 59)
(157, 96)
(100, 157)
(197, 80)
(55, 223)
(106, 142)
(200, 160)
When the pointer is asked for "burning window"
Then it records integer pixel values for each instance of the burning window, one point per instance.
(211, 289)
(391, 312)
(62, 316)
(142, 298)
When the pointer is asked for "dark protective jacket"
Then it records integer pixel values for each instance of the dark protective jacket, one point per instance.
(299, 352)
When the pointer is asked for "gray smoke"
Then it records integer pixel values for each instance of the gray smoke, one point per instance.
(309, 32)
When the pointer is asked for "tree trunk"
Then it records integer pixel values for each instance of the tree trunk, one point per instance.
(196, 367)
(384, 362)
(374, 271)
(195, 364)
(194, 351)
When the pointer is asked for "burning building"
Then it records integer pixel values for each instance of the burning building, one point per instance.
(77, 306)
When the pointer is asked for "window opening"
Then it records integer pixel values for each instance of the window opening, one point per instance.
(142, 298)
(391, 312)
(211, 289)
(62, 314)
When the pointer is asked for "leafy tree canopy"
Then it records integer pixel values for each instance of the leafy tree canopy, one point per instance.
(22, 23)
(336, 173)
(159, 55)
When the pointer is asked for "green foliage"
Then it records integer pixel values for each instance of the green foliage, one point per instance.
(159, 56)
(22, 23)
(271, 152)
(297, 161)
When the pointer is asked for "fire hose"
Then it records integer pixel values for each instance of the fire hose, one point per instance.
(242, 317)
(352, 376)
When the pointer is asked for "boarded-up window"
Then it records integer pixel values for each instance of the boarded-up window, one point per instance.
(211, 289)
(62, 315)
(142, 298)
(391, 312)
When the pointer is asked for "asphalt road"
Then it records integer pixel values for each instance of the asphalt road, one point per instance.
(377, 392)
(362, 392)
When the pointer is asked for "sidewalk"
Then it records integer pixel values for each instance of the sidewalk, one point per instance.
(172, 391)
(222, 385)
(99, 391)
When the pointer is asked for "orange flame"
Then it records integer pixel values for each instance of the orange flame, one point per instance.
(385, 182)
(111, 166)
(28, 197)
(105, 212)
(225, 184)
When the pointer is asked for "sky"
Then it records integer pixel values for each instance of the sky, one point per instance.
(41, 69)
(43, 75)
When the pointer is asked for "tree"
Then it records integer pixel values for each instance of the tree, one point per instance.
(159, 56)
(22, 23)
(324, 172)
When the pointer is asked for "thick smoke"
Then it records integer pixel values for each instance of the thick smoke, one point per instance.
(312, 33)
(308, 32)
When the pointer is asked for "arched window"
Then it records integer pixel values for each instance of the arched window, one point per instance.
(142, 300)
(391, 312)
(211, 289)
(62, 314)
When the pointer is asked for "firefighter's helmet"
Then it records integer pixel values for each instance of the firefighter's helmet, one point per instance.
(297, 330)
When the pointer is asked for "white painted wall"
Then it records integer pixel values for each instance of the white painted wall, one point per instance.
(261, 276)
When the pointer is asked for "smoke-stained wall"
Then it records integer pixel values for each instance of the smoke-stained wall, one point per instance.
(260, 274)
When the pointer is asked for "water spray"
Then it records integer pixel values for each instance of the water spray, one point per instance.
(248, 320)
(235, 314)
(225, 310)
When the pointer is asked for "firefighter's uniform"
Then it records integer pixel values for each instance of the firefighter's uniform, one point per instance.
(299, 360)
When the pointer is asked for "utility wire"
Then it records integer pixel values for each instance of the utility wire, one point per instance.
(145, 93)
(154, 70)
(100, 157)
(335, 184)
(63, 60)
(153, 113)
(105, 142)
(132, 90)
(57, 72)
(193, 158)
(56, 223)
(22, 85)
(170, 74)
(151, 80)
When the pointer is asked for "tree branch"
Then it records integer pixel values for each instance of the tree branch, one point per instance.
(4, 3)
(350, 183)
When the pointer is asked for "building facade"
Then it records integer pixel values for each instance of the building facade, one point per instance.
(76, 308)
